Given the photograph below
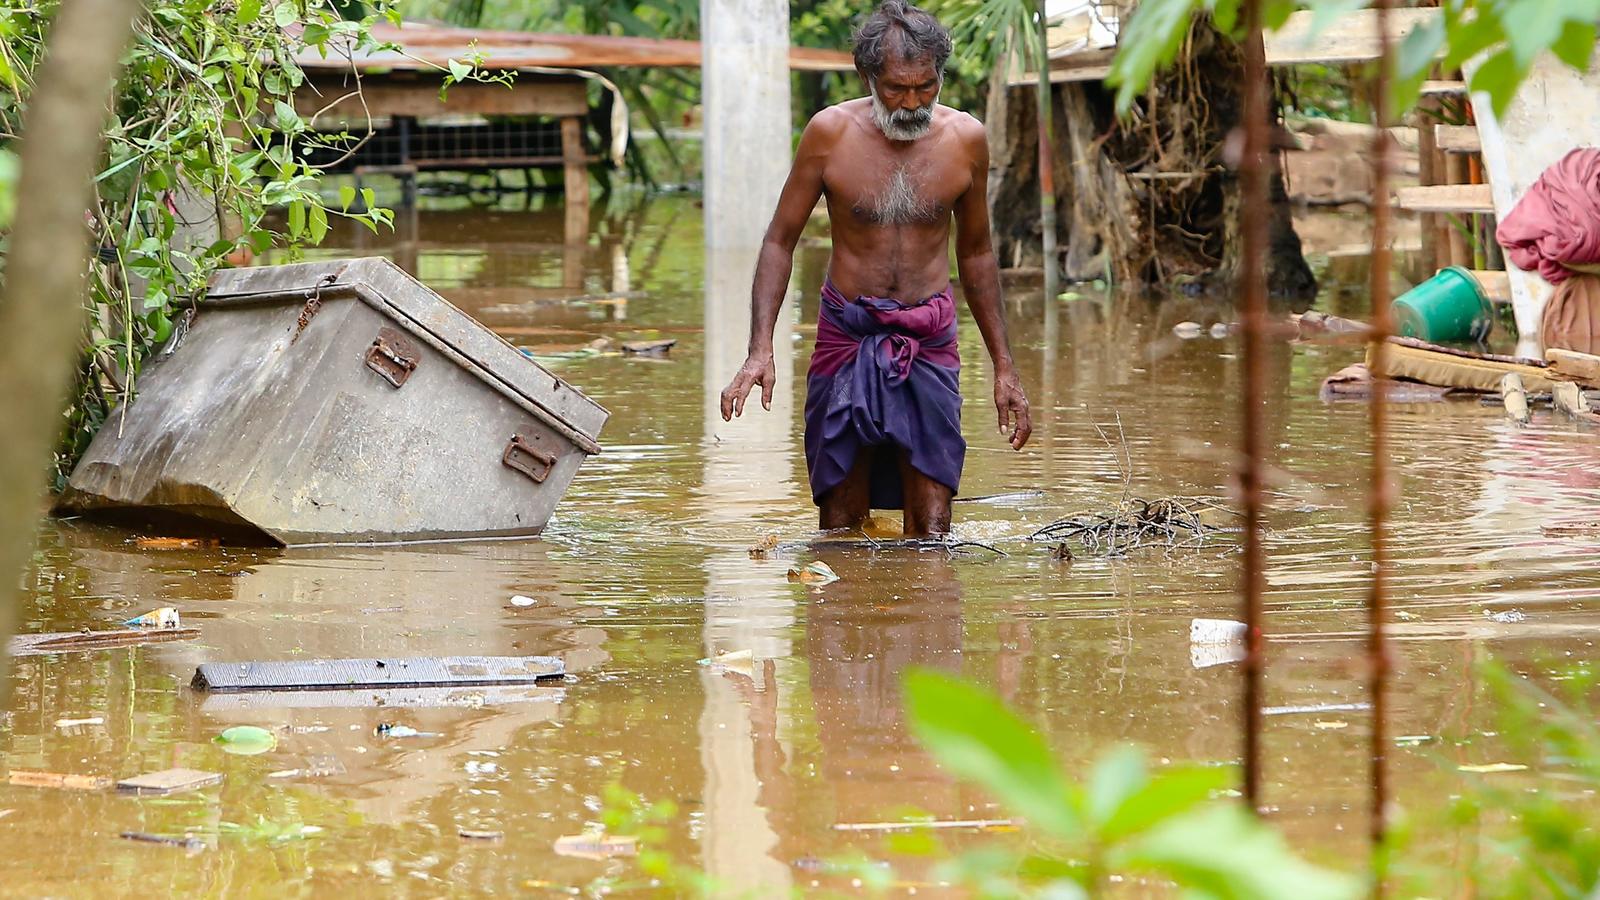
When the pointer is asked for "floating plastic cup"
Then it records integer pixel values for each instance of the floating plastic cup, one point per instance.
(1450, 306)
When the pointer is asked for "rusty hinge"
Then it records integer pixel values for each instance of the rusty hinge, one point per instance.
(392, 355)
(529, 460)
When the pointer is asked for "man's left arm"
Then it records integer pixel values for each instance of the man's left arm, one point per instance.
(980, 284)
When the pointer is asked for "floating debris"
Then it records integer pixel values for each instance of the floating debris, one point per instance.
(649, 348)
(521, 600)
(467, 834)
(1188, 330)
(83, 641)
(816, 573)
(390, 730)
(1315, 708)
(741, 662)
(246, 740)
(1170, 523)
(760, 549)
(169, 781)
(174, 543)
(1330, 726)
(1507, 617)
(596, 845)
(78, 723)
(165, 617)
(1217, 631)
(1491, 768)
(914, 824)
(186, 841)
(22, 778)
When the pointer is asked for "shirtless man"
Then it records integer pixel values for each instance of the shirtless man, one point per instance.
(883, 408)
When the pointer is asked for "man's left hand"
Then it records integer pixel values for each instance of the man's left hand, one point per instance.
(1012, 405)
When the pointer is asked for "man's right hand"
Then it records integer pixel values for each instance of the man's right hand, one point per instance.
(757, 369)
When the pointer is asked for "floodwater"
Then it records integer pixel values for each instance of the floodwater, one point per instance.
(645, 571)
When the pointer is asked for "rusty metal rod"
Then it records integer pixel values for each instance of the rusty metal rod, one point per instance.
(1253, 176)
(1379, 490)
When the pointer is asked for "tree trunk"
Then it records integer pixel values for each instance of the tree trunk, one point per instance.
(43, 300)
(1144, 200)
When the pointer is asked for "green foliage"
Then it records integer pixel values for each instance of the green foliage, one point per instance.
(1509, 34)
(1123, 819)
(626, 813)
(203, 143)
(984, 31)
(1537, 841)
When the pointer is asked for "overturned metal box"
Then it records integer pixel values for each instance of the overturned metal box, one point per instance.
(337, 402)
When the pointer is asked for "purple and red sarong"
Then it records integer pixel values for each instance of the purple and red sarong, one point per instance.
(884, 373)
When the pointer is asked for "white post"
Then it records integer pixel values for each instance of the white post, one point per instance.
(744, 81)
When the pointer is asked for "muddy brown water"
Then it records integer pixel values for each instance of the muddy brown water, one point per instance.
(645, 571)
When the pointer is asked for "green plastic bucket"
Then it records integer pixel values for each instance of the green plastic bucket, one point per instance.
(1450, 306)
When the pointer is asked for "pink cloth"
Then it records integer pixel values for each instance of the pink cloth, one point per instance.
(1558, 221)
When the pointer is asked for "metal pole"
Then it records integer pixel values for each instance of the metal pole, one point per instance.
(1047, 181)
(1253, 294)
(1379, 490)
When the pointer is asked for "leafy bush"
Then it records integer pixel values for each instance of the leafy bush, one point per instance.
(1123, 820)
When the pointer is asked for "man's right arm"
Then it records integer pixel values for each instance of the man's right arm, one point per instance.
(799, 198)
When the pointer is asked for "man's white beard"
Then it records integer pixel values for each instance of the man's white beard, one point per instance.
(901, 125)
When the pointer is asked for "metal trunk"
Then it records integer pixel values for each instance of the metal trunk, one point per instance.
(338, 402)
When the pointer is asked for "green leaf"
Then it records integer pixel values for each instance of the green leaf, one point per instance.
(1575, 46)
(288, 120)
(249, 11)
(317, 223)
(1115, 778)
(1150, 41)
(970, 732)
(260, 240)
(347, 196)
(297, 219)
(285, 13)
(1223, 851)
(459, 70)
(1169, 794)
(1419, 48)
(1498, 77)
(246, 740)
(368, 198)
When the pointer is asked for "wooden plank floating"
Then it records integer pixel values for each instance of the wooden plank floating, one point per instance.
(22, 778)
(409, 698)
(81, 641)
(345, 674)
(169, 781)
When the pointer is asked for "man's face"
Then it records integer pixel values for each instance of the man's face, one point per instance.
(903, 97)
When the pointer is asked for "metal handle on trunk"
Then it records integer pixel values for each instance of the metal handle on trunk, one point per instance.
(528, 459)
(393, 356)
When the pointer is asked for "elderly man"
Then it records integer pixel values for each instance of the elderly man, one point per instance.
(883, 404)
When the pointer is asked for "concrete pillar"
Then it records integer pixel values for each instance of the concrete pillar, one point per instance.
(747, 127)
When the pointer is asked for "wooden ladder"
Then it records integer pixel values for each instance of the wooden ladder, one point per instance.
(1455, 201)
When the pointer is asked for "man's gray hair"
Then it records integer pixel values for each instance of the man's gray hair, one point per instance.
(896, 25)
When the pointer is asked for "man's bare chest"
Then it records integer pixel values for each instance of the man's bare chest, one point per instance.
(906, 189)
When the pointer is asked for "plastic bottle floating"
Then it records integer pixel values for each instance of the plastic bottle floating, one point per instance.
(165, 617)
